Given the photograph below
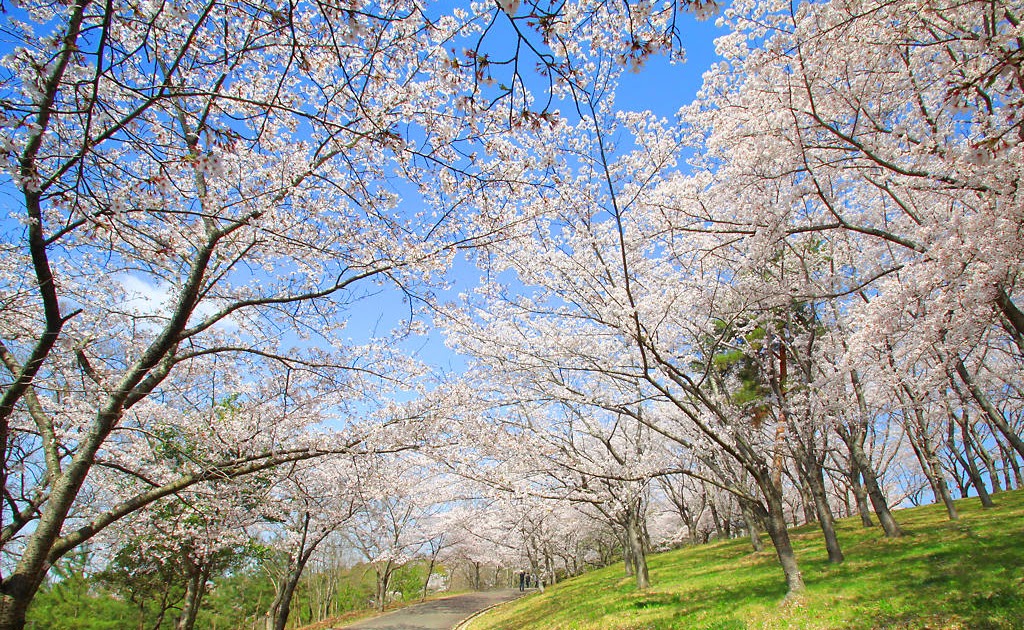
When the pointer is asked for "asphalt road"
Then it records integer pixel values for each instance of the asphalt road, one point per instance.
(439, 614)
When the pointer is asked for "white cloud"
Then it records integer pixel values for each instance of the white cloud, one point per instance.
(154, 301)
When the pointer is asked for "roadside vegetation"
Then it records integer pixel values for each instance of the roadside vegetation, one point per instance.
(967, 573)
(76, 599)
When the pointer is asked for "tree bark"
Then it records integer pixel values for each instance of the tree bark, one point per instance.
(634, 538)
(1010, 463)
(916, 431)
(430, 573)
(627, 553)
(281, 607)
(384, 581)
(807, 499)
(986, 458)
(993, 414)
(775, 523)
(878, 501)
(967, 460)
(20, 587)
(752, 528)
(854, 436)
(194, 592)
(1010, 310)
(860, 494)
(814, 477)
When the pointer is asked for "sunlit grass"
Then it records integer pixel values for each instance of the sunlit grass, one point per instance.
(965, 574)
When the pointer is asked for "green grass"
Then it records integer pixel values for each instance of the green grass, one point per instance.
(965, 574)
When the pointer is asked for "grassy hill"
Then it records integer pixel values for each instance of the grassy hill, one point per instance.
(965, 574)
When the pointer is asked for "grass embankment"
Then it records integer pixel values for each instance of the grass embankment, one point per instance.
(965, 574)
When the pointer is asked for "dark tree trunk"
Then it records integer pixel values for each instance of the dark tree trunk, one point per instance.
(715, 518)
(281, 608)
(195, 589)
(430, 573)
(854, 436)
(384, 581)
(807, 501)
(775, 523)
(986, 458)
(967, 459)
(752, 528)
(816, 484)
(994, 415)
(627, 554)
(854, 441)
(860, 494)
(914, 427)
(635, 542)
(1010, 463)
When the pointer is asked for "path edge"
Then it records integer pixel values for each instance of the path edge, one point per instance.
(465, 622)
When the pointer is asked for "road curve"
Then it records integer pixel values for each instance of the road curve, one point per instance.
(438, 614)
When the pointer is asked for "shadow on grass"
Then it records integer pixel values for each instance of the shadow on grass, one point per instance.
(966, 575)
(961, 574)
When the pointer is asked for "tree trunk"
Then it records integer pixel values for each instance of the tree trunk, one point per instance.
(535, 569)
(916, 431)
(1010, 463)
(549, 568)
(854, 438)
(825, 517)
(807, 500)
(878, 500)
(1013, 314)
(194, 591)
(775, 523)
(814, 477)
(967, 461)
(716, 518)
(19, 588)
(691, 528)
(281, 607)
(384, 579)
(986, 458)
(627, 553)
(430, 573)
(15, 599)
(752, 528)
(860, 495)
(994, 415)
(634, 538)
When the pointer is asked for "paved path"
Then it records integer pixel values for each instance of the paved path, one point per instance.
(439, 614)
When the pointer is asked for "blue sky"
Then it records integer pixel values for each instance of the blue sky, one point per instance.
(661, 86)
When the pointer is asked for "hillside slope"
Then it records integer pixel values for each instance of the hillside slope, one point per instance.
(942, 574)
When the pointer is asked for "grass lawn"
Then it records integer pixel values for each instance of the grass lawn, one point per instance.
(965, 574)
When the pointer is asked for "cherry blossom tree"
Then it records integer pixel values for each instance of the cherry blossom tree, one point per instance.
(617, 289)
(687, 501)
(196, 537)
(209, 186)
(895, 145)
(396, 496)
(825, 178)
(311, 503)
(206, 190)
(226, 159)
